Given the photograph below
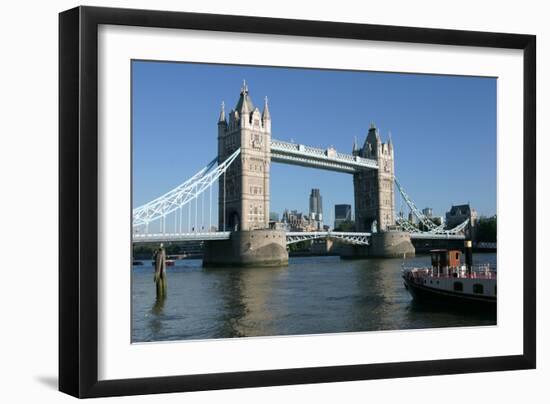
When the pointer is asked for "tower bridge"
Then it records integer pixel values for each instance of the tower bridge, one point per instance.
(241, 171)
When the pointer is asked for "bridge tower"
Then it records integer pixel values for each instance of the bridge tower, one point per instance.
(375, 201)
(243, 201)
(374, 189)
(244, 193)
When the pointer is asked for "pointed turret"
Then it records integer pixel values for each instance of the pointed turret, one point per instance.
(373, 136)
(355, 149)
(372, 142)
(265, 114)
(390, 143)
(374, 131)
(221, 119)
(244, 105)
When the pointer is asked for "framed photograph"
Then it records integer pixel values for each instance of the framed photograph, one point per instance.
(251, 201)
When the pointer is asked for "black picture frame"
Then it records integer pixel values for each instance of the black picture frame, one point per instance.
(78, 201)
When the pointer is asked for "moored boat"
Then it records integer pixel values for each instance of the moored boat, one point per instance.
(447, 280)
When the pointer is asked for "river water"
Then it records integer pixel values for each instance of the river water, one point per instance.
(312, 295)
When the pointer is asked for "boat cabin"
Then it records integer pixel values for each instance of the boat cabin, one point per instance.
(445, 259)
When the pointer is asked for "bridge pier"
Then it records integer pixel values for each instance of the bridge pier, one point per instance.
(391, 244)
(248, 248)
(388, 244)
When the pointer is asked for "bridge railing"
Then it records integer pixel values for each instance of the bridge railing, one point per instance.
(175, 237)
(349, 237)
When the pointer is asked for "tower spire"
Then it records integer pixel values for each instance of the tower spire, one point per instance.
(245, 104)
(244, 88)
(373, 134)
(222, 113)
(265, 114)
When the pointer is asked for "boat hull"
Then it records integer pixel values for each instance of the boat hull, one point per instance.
(429, 294)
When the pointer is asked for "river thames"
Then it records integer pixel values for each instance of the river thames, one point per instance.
(313, 295)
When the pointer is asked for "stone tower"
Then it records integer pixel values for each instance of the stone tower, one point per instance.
(244, 192)
(374, 189)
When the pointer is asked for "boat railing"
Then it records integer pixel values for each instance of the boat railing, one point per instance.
(484, 270)
(478, 271)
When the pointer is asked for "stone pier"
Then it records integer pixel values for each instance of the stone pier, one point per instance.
(248, 248)
(389, 244)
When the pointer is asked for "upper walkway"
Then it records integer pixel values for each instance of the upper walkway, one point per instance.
(326, 159)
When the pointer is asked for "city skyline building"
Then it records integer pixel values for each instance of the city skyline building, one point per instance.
(428, 212)
(316, 207)
(298, 221)
(342, 214)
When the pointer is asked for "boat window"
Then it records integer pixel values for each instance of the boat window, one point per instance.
(456, 255)
(478, 288)
(457, 286)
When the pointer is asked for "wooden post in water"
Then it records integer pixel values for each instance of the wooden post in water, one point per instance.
(160, 272)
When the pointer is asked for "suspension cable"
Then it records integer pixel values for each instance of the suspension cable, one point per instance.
(182, 194)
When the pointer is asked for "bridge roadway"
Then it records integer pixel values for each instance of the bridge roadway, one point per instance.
(292, 237)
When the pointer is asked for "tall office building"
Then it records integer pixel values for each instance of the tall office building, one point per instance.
(342, 213)
(428, 212)
(316, 207)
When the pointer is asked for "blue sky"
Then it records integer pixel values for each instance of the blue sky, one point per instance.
(443, 129)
